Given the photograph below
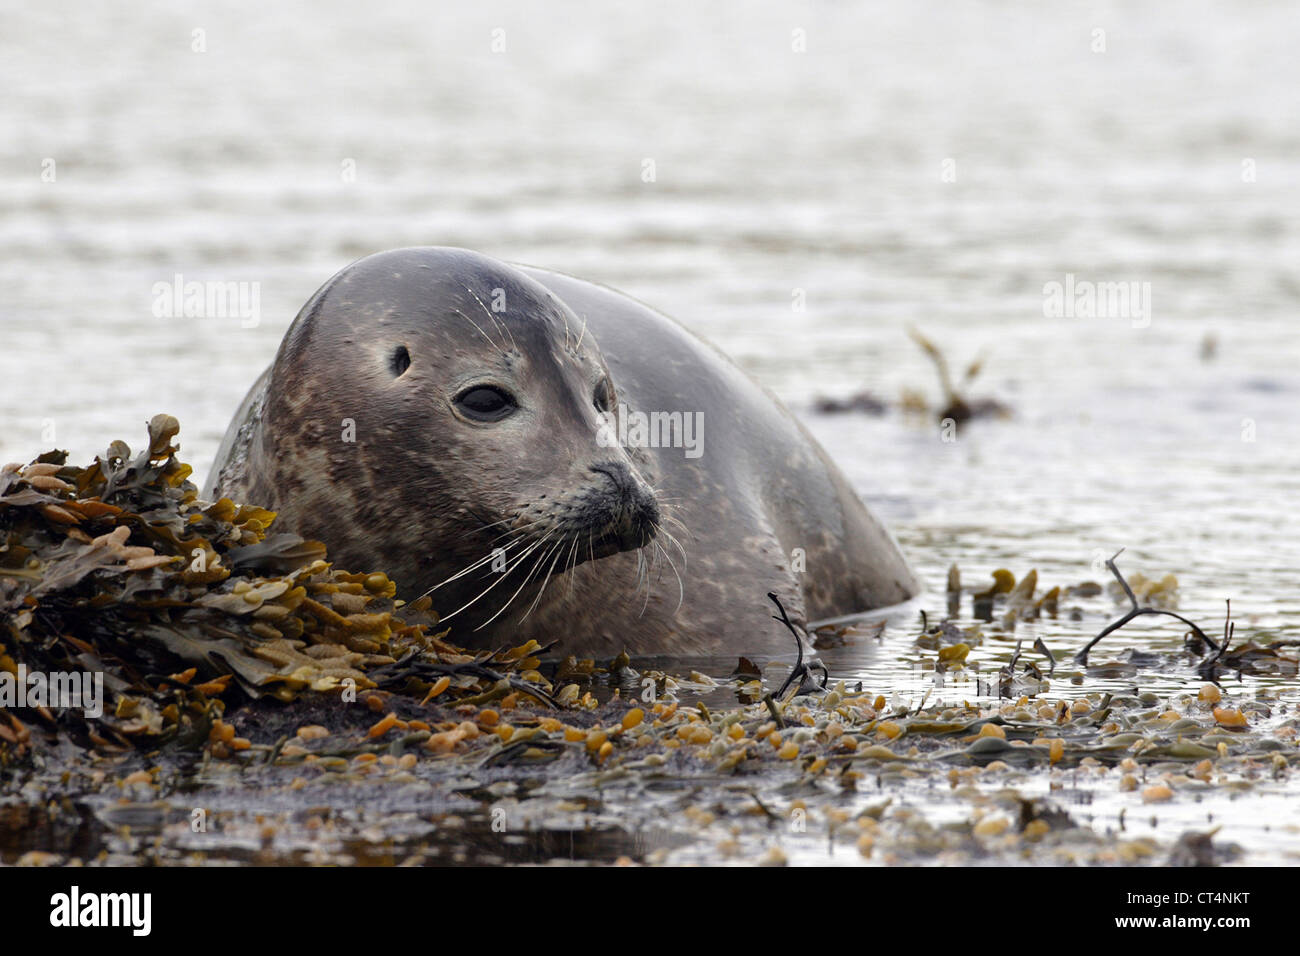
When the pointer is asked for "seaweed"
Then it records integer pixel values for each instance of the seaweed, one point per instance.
(203, 619)
(956, 405)
(187, 607)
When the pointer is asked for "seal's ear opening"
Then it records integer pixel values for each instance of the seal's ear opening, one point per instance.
(401, 361)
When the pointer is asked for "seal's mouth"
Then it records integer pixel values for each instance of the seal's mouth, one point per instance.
(620, 514)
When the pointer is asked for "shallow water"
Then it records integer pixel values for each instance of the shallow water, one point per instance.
(1167, 159)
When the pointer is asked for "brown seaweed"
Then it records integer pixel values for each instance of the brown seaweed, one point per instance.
(186, 606)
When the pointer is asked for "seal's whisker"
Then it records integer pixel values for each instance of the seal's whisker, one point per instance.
(493, 318)
(672, 539)
(500, 326)
(679, 524)
(669, 505)
(490, 556)
(545, 581)
(484, 592)
(488, 525)
(501, 577)
(572, 563)
(537, 565)
(478, 563)
(480, 331)
(642, 572)
(582, 333)
(654, 566)
(640, 568)
(506, 534)
(528, 577)
(681, 588)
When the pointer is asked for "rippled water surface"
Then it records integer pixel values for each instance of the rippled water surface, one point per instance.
(917, 165)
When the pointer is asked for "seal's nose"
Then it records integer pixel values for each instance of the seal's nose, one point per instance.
(635, 517)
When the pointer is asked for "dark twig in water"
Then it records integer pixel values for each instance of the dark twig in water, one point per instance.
(800, 671)
(1136, 611)
(1208, 668)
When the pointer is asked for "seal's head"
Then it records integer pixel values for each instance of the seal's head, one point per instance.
(452, 406)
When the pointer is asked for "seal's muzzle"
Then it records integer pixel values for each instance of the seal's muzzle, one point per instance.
(624, 514)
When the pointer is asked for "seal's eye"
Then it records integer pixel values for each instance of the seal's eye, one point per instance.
(401, 361)
(485, 403)
(603, 397)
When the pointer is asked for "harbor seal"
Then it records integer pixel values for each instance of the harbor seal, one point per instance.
(550, 459)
